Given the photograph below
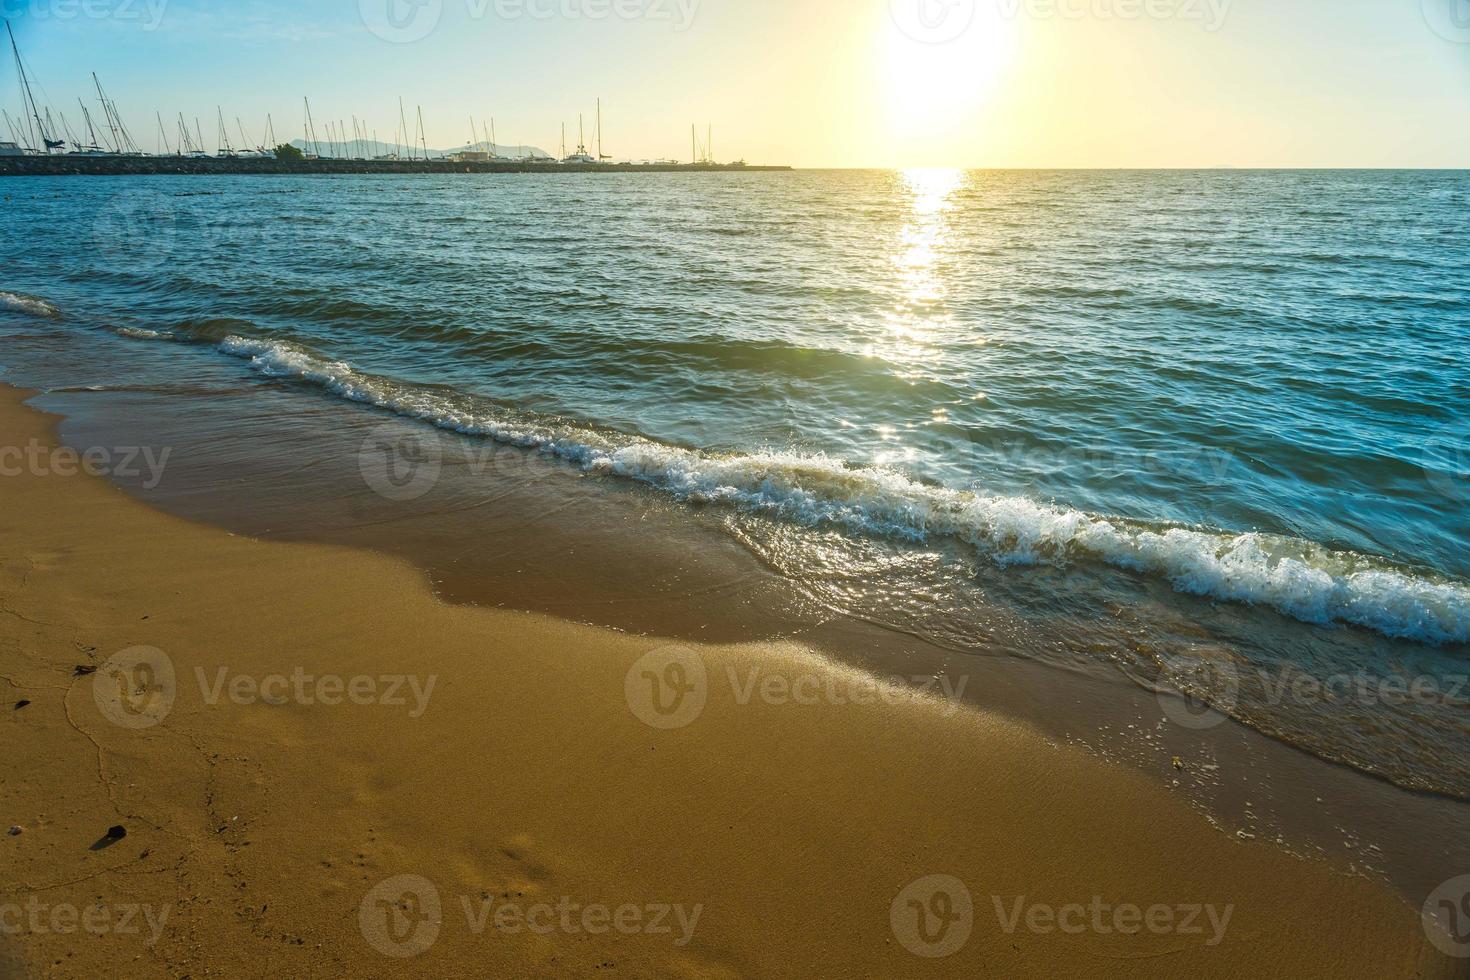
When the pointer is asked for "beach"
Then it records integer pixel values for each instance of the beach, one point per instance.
(332, 727)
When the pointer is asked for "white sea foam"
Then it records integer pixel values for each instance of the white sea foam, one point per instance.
(142, 333)
(26, 303)
(1297, 577)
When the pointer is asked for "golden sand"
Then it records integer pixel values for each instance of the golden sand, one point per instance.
(765, 825)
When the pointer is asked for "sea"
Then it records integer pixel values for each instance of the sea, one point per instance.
(1204, 434)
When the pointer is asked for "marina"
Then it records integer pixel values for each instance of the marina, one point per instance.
(42, 142)
(114, 165)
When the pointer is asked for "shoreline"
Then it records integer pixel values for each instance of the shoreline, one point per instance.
(502, 528)
(265, 827)
(505, 529)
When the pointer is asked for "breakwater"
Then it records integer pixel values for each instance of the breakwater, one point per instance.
(65, 164)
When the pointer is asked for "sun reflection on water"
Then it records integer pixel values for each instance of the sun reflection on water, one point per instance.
(919, 315)
(918, 323)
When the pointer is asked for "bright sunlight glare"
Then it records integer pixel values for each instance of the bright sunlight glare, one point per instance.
(935, 93)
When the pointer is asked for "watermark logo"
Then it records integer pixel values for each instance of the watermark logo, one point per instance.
(400, 463)
(1446, 456)
(1198, 692)
(136, 230)
(1450, 19)
(401, 917)
(932, 21)
(400, 21)
(933, 916)
(667, 687)
(1446, 917)
(136, 687)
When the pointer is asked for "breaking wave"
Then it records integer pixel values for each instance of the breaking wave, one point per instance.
(26, 303)
(141, 333)
(1297, 577)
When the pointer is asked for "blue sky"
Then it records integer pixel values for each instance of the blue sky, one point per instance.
(809, 82)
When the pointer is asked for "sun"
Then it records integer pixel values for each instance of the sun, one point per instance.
(931, 89)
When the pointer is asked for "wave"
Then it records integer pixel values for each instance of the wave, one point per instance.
(26, 303)
(142, 333)
(1296, 577)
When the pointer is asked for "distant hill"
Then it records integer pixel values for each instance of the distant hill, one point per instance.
(373, 148)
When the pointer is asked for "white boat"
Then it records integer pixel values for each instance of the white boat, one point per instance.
(581, 156)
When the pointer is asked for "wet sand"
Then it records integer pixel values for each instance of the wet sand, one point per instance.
(536, 794)
(504, 528)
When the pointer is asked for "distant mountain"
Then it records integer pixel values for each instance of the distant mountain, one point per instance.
(373, 148)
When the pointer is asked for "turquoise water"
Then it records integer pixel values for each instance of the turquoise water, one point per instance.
(1280, 353)
(1247, 389)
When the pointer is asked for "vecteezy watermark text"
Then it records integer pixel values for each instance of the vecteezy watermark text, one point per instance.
(1210, 13)
(668, 687)
(36, 458)
(942, 21)
(403, 916)
(137, 688)
(36, 917)
(934, 916)
(299, 687)
(1105, 918)
(1200, 693)
(571, 917)
(147, 13)
(406, 21)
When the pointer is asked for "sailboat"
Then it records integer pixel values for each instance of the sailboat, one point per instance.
(581, 156)
(92, 148)
(28, 101)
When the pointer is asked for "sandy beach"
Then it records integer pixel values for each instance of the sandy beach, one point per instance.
(320, 769)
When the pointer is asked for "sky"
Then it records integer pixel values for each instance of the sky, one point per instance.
(812, 83)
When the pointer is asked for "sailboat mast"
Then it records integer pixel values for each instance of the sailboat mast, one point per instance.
(10, 124)
(25, 84)
(311, 128)
(599, 129)
(102, 100)
(402, 128)
(87, 121)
